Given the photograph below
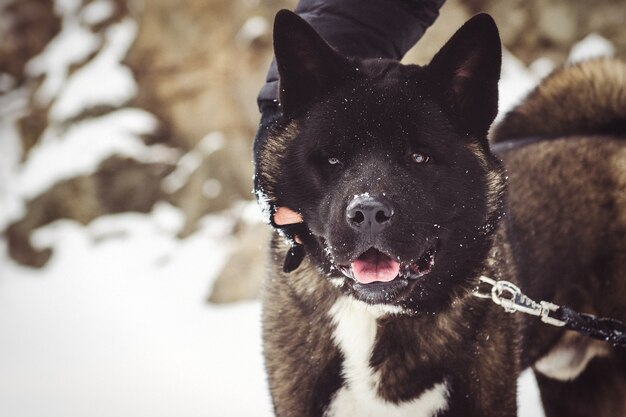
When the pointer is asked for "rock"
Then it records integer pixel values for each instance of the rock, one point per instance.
(119, 185)
(451, 16)
(531, 29)
(26, 27)
(199, 67)
(242, 276)
(223, 178)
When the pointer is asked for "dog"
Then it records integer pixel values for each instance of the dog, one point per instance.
(389, 204)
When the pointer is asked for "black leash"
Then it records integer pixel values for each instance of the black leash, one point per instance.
(610, 330)
(512, 299)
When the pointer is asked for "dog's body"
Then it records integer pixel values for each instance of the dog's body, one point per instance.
(567, 222)
(403, 206)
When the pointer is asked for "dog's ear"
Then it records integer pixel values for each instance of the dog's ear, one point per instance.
(465, 74)
(307, 65)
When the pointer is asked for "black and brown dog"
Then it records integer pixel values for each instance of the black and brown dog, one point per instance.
(400, 207)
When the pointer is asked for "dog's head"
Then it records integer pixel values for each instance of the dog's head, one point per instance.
(388, 164)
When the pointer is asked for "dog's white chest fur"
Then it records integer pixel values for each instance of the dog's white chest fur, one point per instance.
(355, 335)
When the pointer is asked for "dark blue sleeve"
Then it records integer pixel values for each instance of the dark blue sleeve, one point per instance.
(361, 28)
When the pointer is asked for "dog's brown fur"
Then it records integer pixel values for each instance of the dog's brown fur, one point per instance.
(588, 98)
(567, 221)
(563, 239)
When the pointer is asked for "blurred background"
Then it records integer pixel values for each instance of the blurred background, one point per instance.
(131, 249)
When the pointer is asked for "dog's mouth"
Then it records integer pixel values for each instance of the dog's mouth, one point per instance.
(373, 267)
(375, 277)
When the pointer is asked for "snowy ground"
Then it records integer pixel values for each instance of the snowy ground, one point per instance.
(117, 324)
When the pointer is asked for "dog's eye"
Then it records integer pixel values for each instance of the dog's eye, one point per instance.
(419, 158)
(334, 161)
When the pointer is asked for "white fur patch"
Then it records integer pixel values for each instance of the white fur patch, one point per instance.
(355, 334)
(568, 360)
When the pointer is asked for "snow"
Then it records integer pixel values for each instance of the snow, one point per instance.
(515, 83)
(592, 46)
(62, 154)
(191, 161)
(517, 80)
(102, 81)
(7, 82)
(12, 106)
(72, 45)
(97, 12)
(252, 29)
(264, 204)
(67, 7)
(528, 399)
(117, 324)
(211, 188)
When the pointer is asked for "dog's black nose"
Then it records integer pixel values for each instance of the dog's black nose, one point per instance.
(369, 214)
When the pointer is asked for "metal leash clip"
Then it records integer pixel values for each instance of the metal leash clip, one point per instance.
(512, 299)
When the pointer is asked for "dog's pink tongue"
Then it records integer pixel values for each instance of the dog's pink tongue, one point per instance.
(374, 266)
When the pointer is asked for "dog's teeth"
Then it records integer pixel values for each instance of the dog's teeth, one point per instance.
(347, 271)
(406, 271)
